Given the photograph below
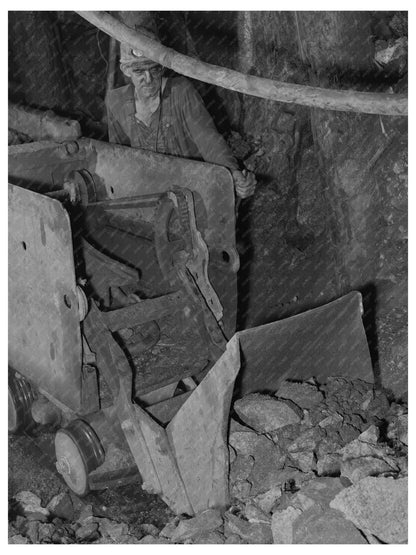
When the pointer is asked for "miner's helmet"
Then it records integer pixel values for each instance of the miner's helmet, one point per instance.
(130, 58)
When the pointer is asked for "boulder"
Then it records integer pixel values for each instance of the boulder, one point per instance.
(303, 394)
(307, 440)
(213, 537)
(206, 521)
(317, 526)
(329, 465)
(318, 492)
(266, 471)
(112, 529)
(241, 490)
(266, 501)
(282, 525)
(17, 539)
(151, 539)
(357, 469)
(241, 467)
(378, 506)
(303, 460)
(234, 539)
(87, 532)
(250, 532)
(254, 514)
(61, 506)
(398, 429)
(149, 529)
(32, 531)
(30, 505)
(264, 413)
(45, 532)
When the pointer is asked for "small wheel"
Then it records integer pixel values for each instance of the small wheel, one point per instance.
(78, 452)
(20, 399)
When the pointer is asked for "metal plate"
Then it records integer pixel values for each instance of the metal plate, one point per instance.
(44, 329)
(323, 342)
(121, 172)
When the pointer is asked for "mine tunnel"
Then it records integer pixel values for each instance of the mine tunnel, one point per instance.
(208, 277)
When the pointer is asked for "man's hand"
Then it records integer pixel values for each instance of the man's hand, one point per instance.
(244, 183)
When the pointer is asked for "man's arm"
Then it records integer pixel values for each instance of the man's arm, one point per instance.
(210, 143)
(201, 128)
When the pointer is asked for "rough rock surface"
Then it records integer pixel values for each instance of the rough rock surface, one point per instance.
(282, 525)
(264, 413)
(249, 532)
(207, 521)
(61, 506)
(315, 526)
(30, 505)
(303, 394)
(377, 506)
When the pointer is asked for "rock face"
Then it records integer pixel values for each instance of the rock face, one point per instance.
(377, 506)
(266, 414)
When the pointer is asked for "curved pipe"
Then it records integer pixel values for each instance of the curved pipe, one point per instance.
(314, 97)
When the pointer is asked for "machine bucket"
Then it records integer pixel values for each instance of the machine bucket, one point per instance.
(323, 342)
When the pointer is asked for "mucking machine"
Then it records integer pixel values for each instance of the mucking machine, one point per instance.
(122, 314)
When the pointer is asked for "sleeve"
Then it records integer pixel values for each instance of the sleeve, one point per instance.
(115, 131)
(201, 128)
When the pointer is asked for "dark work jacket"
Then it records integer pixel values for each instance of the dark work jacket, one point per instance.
(181, 126)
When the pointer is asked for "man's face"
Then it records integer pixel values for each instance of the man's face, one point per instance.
(147, 81)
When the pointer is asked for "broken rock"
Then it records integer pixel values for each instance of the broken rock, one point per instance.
(204, 522)
(30, 505)
(17, 539)
(316, 526)
(265, 413)
(303, 460)
(266, 501)
(329, 465)
(112, 529)
(282, 525)
(356, 469)
(250, 532)
(303, 394)
(241, 467)
(61, 506)
(377, 506)
(88, 531)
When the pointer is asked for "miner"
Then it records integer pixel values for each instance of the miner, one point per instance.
(166, 114)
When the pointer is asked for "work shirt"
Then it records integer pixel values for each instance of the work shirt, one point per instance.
(181, 126)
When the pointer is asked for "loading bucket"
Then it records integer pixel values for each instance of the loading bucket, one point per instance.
(323, 342)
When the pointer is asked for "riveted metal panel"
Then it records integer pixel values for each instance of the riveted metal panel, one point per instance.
(44, 329)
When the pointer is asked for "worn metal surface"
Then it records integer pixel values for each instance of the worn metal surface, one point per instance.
(198, 434)
(121, 172)
(44, 330)
(326, 341)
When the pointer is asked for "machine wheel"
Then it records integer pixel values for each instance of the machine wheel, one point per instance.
(78, 452)
(21, 397)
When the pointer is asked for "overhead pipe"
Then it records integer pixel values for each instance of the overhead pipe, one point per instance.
(315, 97)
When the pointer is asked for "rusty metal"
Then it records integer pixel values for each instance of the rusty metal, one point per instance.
(44, 331)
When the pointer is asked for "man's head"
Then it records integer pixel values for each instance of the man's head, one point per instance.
(146, 75)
